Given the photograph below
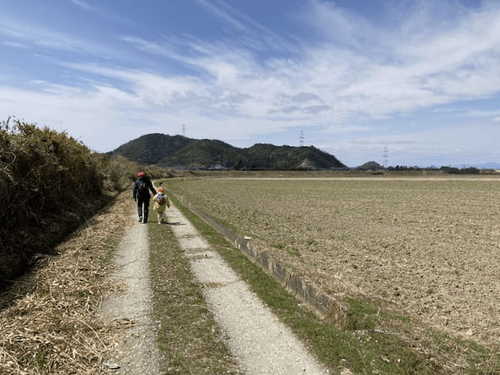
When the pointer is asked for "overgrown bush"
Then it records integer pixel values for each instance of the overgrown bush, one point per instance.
(117, 171)
(120, 172)
(49, 182)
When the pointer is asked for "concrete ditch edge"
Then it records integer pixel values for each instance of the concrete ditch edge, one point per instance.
(323, 305)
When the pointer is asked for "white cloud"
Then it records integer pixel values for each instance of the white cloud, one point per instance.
(40, 36)
(396, 74)
(218, 11)
(83, 5)
(105, 117)
(404, 71)
(9, 43)
(254, 35)
(356, 70)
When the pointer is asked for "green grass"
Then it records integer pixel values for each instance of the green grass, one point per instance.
(189, 339)
(362, 347)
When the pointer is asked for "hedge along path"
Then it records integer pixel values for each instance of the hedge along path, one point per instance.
(258, 340)
(138, 352)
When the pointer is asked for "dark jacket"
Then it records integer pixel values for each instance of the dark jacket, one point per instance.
(143, 193)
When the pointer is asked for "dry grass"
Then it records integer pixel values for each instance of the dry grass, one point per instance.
(426, 248)
(49, 318)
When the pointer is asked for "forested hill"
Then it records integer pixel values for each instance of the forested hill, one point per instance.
(182, 152)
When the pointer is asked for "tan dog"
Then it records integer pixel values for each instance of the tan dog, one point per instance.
(161, 203)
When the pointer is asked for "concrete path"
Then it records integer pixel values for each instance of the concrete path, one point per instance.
(138, 353)
(261, 343)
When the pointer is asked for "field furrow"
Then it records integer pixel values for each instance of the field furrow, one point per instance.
(429, 247)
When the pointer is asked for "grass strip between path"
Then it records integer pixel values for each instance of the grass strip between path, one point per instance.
(189, 339)
(361, 348)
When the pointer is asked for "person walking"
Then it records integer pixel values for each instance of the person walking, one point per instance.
(142, 188)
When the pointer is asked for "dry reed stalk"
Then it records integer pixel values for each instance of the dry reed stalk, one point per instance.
(49, 318)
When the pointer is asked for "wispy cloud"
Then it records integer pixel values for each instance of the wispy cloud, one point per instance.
(17, 34)
(101, 12)
(352, 76)
(255, 34)
(481, 113)
(180, 49)
(10, 43)
(220, 12)
(346, 78)
(83, 5)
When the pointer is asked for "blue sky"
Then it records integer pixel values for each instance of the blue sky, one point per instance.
(420, 77)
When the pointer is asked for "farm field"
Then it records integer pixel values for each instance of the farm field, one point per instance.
(429, 247)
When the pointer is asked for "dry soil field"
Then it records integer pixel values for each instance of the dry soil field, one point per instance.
(430, 246)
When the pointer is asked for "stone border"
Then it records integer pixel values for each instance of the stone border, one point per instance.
(323, 305)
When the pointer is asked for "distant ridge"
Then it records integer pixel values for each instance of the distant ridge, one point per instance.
(488, 165)
(187, 153)
(151, 148)
(370, 166)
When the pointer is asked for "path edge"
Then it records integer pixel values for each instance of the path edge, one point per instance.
(321, 304)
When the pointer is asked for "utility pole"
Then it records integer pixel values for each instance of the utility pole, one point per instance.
(184, 130)
(301, 138)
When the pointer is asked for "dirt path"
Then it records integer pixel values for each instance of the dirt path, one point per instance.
(137, 352)
(261, 343)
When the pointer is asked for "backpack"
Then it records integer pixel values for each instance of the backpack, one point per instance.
(142, 188)
(161, 199)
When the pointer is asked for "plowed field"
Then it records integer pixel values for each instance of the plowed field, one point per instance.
(430, 247)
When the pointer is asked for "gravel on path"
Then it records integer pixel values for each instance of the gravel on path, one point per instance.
(137, 353)
(259, 341)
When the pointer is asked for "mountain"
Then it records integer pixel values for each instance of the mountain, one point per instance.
(182, 152)
(204, 153)
(371, 166)
(264, 156)
(151, 148)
